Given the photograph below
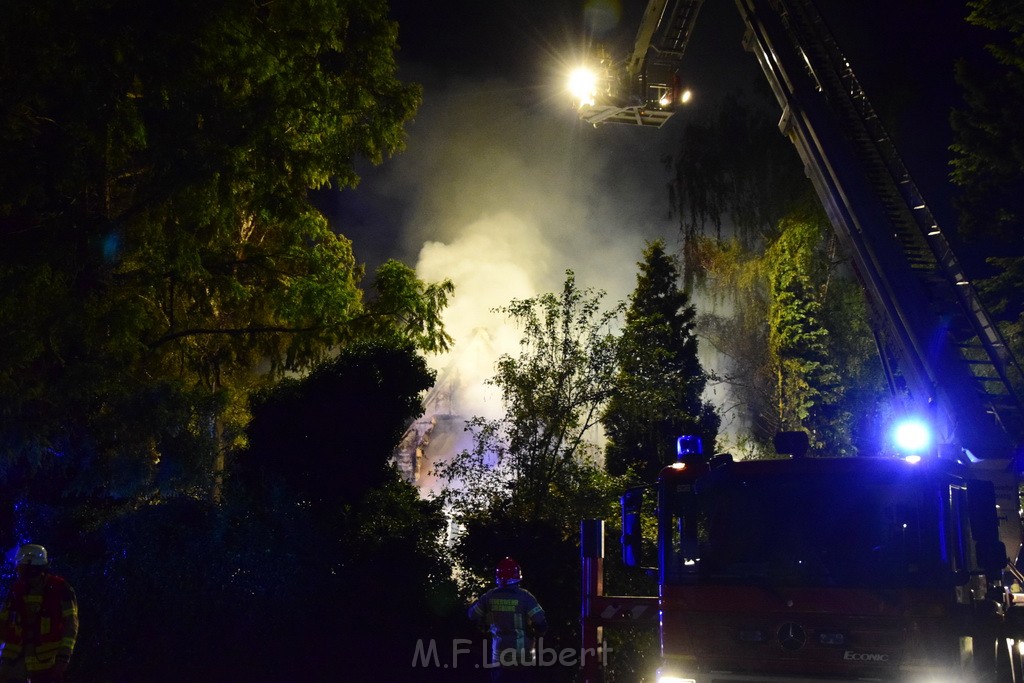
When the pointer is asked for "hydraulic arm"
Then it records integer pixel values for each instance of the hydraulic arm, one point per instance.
(945, 347)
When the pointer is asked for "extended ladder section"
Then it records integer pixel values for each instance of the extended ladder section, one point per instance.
(659, 46)
(947, 350)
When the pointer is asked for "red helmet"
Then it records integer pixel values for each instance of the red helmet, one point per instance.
(508, 572)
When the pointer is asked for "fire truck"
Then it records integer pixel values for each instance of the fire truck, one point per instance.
(802, 568)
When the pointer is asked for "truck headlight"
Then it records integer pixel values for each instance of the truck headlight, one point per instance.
(672, 678)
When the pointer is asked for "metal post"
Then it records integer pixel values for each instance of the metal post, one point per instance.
(592, 557)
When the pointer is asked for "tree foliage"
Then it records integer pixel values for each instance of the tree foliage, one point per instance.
(807, 381)
(988, 155)
(734, 325)
(160, 244)
(552, 393)
(531, 475)
(988, 160)
(311, 515)
(784, 311)
(796, 310)
(332, 433)
(222, 582)
(659, 385)
(405, 307)
(734, 177)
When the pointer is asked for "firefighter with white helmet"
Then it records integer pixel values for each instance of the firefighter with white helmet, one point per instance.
(38, 621)
(514, 618)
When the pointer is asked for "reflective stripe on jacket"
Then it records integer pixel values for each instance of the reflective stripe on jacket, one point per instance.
(513, 616)
(39, 625)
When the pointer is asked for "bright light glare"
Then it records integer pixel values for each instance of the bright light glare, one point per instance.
(583, 86)
(912, 437)
(675, 679)
(686, 96)
(913, 459)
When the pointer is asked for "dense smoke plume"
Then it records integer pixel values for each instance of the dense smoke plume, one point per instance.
(503, 196)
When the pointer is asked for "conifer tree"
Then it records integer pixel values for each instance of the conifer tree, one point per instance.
(988, 161)
(659, 387)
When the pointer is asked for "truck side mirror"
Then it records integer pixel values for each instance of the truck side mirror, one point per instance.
(991, 556)
(981, 506)
(632, 538)
(959, 577)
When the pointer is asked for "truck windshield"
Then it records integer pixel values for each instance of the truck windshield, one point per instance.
(811, 530)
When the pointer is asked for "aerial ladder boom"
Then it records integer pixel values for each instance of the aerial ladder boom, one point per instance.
(660, 43)
(946, 347)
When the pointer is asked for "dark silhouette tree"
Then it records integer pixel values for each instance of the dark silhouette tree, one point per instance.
(734, 176)
(330, 436)
(988, 161)
(312, 515)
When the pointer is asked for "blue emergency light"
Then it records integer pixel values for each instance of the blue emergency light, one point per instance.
(687, 447)
(913, 437)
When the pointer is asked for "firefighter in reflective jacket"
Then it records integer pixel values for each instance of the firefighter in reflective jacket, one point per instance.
(38, 621)
(514, 618)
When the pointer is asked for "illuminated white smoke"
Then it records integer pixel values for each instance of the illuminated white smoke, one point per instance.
(495, 261)
(504, 196)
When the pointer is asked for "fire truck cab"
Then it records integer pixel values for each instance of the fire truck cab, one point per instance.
(807, 569)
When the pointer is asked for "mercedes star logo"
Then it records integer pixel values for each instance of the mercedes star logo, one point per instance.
(792, 636)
